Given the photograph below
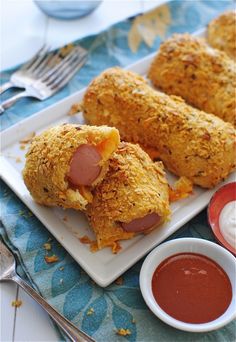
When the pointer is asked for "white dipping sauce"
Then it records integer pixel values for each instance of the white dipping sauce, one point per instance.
(227, 222)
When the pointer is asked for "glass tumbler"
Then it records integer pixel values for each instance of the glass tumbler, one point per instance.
(67, 9)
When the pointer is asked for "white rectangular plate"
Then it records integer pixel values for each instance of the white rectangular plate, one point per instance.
(103, 266)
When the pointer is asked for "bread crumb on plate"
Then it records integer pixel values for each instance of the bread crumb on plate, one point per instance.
(87, 241)
(16, 303)
(75, 108)
(182, 188)
(28, 138)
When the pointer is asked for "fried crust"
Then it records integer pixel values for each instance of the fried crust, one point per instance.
(204, 77)
(48, 162)
(190, 142)
(221, 33)
(133, 187)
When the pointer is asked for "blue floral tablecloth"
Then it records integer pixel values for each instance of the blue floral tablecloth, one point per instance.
(64, 284)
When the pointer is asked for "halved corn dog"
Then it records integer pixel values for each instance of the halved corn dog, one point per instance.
(204, 77)
(65, 162)
(133, 197)
(190, 142)
(221, 33)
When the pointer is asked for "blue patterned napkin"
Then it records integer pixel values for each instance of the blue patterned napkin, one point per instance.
(101, 312)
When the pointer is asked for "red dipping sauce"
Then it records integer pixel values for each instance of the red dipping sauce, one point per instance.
(191, 288)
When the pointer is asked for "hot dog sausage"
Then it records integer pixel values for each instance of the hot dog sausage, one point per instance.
(143, 223)
(62, 160)
(84, 168)
(134, 187)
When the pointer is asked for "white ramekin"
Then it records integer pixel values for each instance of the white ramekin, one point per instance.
(192, 245)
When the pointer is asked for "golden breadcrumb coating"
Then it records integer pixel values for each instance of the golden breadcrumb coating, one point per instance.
(48, 162)
(204, 77)
(133, 187)
(182, 188)
(221, 33)
(190, 142)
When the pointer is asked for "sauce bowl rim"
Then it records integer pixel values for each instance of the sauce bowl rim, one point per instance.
(215, 225)
(188, 245)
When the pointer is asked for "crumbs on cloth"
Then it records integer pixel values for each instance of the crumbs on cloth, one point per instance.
(119, 281)
(47, 246)
(51, 259)
(148, 26)
(90, 312)
(123, 332)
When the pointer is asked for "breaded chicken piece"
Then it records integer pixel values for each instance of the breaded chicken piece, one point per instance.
(47, 169)
(134, 187)
(221, 33)
(190, 142)
(204, 77)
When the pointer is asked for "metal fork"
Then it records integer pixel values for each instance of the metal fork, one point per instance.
(51, 78)
(8, 272)
(26, 74)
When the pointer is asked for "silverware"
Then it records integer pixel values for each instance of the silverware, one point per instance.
(26, 74)
(50, 77)
(8, 272)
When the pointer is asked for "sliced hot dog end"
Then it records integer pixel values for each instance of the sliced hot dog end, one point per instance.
(142, 224)
(84, 166)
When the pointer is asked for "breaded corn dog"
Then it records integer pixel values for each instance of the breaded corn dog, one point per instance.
(131, 199)
(190, 142)
(204, 77)
(65, 162)
(221, 33)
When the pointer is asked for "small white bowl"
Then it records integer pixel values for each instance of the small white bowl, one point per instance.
(190, 245)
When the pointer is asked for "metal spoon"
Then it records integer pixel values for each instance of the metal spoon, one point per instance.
(8, 272)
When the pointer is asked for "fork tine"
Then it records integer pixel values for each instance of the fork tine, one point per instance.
(38, 60)
(48, 65)
(58, 66)
(81, 50)
(51, 63)
(53, 74)
(75, 52)
(55, 58)
(34, 58)
(44, 65)
(67, 68)
(64, 66)
(57, 85)
(64, 72)
(68, 77)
